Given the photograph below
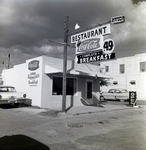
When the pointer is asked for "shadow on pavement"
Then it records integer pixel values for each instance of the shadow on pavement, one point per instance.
(117, 102)
(8, 106)
(21, 142)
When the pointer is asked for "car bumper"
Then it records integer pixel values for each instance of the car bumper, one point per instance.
(14, 101)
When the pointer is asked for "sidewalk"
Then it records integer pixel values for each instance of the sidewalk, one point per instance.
(76, 110)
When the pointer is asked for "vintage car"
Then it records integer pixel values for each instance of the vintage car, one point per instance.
(8, 95)
(115, 94)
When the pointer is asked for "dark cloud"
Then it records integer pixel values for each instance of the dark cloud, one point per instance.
(26, 26)
(138, 1)
(32, 22)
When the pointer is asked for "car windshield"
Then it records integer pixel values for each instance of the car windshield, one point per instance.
(124, 91)
(7, 89)
(111, 91)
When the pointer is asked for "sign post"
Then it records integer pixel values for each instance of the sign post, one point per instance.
(132, 97)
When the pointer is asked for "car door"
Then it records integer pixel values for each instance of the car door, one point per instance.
(109, 94)
(117, 94)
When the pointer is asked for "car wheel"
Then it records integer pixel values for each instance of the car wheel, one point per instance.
(102, 98)
(16, 104)
(117, 98)
(127, 100)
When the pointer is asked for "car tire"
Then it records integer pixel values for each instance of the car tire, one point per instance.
(102, 98)
(16, 104)
(117, 98)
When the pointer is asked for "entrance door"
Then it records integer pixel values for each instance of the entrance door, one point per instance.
(89, 88)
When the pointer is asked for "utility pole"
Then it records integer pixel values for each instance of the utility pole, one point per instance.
(8, 61)
(65, 63)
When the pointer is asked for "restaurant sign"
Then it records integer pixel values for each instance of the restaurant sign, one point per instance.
(94, 56)
(92, 33)
(92, 44)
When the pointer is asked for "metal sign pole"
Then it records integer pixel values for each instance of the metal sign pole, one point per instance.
(65, 63)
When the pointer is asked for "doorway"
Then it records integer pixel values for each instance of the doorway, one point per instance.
(89, 89)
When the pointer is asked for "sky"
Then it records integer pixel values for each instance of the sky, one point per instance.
(26, 27)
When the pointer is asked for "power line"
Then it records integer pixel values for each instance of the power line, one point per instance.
(130, 49)
(115, 50)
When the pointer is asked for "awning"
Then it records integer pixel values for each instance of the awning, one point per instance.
(52, 70)
(89, 73)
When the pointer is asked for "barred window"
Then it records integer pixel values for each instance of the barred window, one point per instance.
(143, 66)
(122, 68)
(106, 68)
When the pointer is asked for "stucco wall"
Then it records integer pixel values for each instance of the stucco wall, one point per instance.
(132, 72)
(16, 77)
(34, 80)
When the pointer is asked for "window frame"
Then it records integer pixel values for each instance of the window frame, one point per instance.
(106, 68)
(140, 66)
(67, 79)
(122, 68)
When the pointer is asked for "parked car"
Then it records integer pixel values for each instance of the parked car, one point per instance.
(115, 94)
(8, 95)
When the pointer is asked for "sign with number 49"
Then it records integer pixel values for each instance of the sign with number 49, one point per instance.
(108, 46)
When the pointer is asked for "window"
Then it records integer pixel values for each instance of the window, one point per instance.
(122, 68)
(111, 91)
(115, 82)
(117, 91)
(132, 82)
(143, 66)
(124, 91)
(7, 89)
(57, 86)
(106, 68)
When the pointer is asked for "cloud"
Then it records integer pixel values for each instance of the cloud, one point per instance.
(26, 26)
(137, 1)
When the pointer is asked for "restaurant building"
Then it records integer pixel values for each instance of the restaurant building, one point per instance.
(41, 79)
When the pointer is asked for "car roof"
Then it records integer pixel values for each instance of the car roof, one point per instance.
(118, 89)
(7, 86)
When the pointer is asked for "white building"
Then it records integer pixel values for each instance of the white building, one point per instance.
(41, 79)
(128, 73)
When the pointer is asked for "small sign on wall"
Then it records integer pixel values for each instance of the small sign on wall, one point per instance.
(33, 75)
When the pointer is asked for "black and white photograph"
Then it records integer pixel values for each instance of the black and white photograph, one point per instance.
(72, 74)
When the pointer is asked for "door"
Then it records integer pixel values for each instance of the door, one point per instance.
(89, 88)
(110, 94)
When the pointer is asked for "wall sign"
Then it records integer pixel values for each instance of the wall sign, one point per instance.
(33, 65)
(33, 74)
(94, 56)
(33, 79)
(102, 30)
(92, 44)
